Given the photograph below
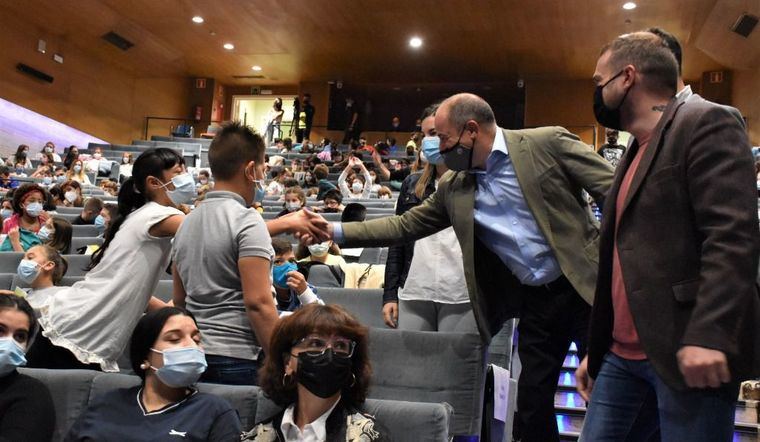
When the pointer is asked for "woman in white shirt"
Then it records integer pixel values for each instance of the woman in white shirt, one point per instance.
(318, 369)
(77, 173)
(49, 148)
(357, 189)
(125, 169)
(432, 294)
(94, 318)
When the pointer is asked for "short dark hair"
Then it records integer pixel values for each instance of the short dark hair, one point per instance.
(93, 204)
(466, 107)
(315, 318)
(353, 212)
(334, 194)
(671, 42)
(651, 57)
(4, 170)
(430, 110)
(147, 330)
(281, 245)
(234, 146)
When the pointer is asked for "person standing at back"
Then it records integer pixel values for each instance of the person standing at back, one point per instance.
(223, 256)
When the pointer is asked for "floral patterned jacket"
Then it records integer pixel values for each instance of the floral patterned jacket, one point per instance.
(345, 423)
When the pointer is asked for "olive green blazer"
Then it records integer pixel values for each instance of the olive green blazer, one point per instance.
(552, 167)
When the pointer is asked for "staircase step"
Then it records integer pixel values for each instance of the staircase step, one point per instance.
(569, 425)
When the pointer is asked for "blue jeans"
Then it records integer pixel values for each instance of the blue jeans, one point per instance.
(231, 371)
(629, 402)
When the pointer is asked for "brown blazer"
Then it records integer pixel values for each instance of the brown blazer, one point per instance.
(688, 243)
(552, 167)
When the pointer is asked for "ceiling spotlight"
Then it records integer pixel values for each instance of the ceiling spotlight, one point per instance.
(415, 42)
(629, 5)
(198, 19)
(256, 68)
(229, 46)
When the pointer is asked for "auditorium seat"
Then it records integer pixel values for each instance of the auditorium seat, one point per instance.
(84, 241)
(9, 261)
(365, 304)
(73, 390)
(322, 277)
(77, 264)
(84, 231)
(63, 210)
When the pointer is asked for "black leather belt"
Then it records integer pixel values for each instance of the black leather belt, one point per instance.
(558, 285)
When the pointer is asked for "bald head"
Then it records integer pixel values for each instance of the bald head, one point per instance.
(461, 108)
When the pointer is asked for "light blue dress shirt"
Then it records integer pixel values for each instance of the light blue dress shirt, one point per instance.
(505, 224)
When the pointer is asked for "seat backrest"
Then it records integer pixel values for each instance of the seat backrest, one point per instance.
(322, 276)
(437, 367)
(84, 231)
(372, 255)
(63, 210)
(77, 264)
(365, 304)
(70, 390)
(79, 241)
(402, 421)
(9, 261)
(6, 281)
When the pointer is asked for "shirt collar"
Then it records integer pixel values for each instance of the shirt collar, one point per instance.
(220, 194)
(685, 92)
(498, 149)
(319, 426)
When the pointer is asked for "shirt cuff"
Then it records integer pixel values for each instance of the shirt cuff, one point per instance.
(308, 297)
(338, 233)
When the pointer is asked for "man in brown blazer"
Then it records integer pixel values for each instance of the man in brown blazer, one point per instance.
(529, 244)
(675, 321)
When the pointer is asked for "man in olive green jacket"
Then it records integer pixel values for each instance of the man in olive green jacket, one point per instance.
(529, 242)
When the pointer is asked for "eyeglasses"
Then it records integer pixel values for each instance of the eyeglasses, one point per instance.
(316, 345)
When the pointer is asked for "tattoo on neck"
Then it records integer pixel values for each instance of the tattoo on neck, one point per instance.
(659, 108)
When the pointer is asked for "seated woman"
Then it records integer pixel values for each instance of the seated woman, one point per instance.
(327, 253)
(45, 165)
(57, 233)
(27, 219)
(295, 200)
(72, 194)
(77, 173)
(319, 369)
(166, 353)
(26, 406)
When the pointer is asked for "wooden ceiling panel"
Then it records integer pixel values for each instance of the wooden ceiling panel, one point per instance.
(363, 40)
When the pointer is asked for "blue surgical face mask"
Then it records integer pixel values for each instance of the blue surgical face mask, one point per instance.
(28, 270)
(19, 170)
(182, 366)
(184, 189)
(280, 274)
(100, 223)
(430, 147)
(260, 190)
(34, 209)
(60, 179)
(6, 213)
(11, 355)
(77, 168)
(44, 234)
(47, 180)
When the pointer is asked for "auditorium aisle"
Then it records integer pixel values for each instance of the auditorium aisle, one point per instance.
(571, 409)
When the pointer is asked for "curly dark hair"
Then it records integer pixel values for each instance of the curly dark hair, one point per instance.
(321, 319)
(21, 193)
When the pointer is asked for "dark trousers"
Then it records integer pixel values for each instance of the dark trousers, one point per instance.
(231, 371)
(552, 317)
(43, 354)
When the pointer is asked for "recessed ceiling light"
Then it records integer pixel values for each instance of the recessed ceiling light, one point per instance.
(198, 19)
(256, 68)
(229, 46)
(415, 42)
(629, 5)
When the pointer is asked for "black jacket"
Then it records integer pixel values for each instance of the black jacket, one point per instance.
(400, 257)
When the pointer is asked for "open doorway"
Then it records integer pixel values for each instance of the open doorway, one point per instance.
(252, 110)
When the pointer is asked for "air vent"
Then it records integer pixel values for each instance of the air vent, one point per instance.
(117, 40)
(745, 25)
(248, 77)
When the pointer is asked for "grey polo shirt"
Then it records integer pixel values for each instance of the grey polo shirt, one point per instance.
(206, 250)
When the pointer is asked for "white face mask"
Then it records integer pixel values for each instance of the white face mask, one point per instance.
(70, 196)
(293, 205)
(319, 250)
(357, 187)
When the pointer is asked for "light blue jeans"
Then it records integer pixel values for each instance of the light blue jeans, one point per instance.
(629, 402)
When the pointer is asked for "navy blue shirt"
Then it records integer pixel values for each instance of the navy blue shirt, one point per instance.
(120, 416)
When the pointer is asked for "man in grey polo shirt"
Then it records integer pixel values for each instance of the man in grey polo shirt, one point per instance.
(222, 259)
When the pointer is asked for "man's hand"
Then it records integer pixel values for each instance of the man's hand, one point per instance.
(583, 382)
(308, 239)
(703, 367)
(305, 223)
(297, 282)
(390, 314)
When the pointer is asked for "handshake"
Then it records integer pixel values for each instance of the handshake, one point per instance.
(309, 227)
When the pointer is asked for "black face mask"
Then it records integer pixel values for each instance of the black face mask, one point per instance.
(324, 374)
(458, 157)
(606, 116)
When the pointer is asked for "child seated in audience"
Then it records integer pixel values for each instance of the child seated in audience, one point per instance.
(19, 170)
(204, 178)
(166, 352)
(384, 193)
(90, 211)
(360, 186)
(103, 221)
(26, 406)
(49, 148)
(276, 187)
(326, 252)
(110, 187)
(57, 233)
(41, 269)
(124, 272)
(45, 165)
(320, 173)
(27, 219)
(6, 209)
(319, 371)
(291, 289)
(295, 200)
(72, 194)
(6, 182)
(333, 202)
(311, 193)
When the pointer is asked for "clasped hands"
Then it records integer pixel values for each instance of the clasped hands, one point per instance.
(309, 227)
